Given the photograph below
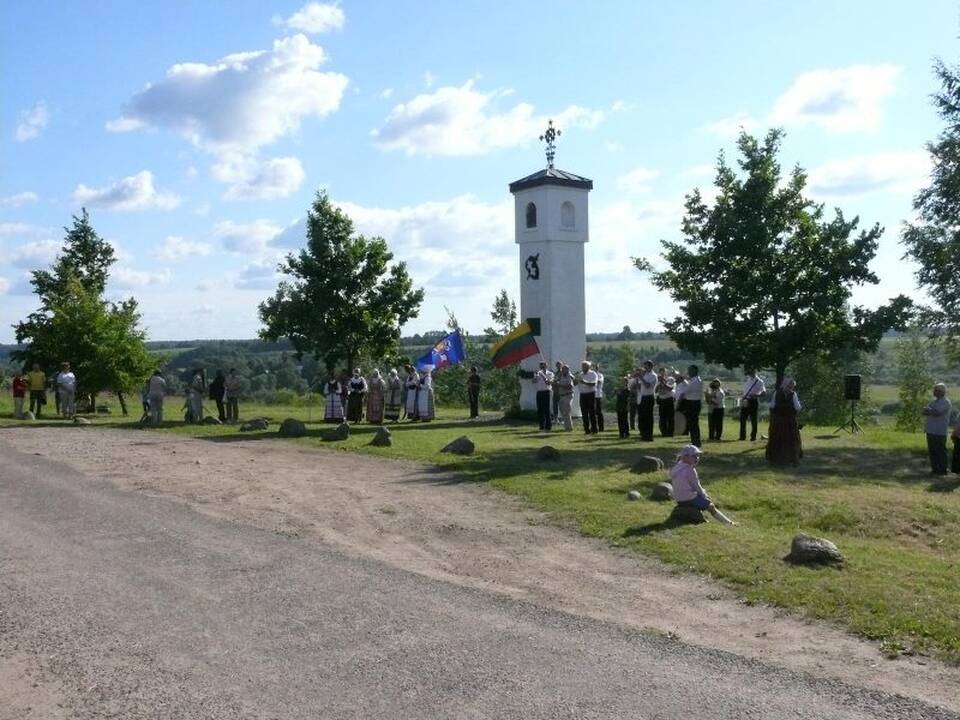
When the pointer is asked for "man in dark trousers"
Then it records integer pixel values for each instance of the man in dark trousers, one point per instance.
(648, 385)
(542, 381)
(694, 403)
(753, 390)
(555, 395)
(588, 398)
(473, 392)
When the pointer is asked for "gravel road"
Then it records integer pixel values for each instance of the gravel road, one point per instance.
(121, 603)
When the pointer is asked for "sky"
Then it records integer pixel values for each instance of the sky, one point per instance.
(197, 134)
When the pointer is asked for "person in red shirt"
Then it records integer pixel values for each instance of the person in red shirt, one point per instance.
(19, 393)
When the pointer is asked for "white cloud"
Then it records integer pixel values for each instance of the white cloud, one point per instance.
(4, 286)
(260, 275)
(32, 122)
(698, 171)
(253, 179)
(429, 79)
(840, 99)
(638, 180)
(175, 247)
(901, 172)
(129, 279)
(242, 101)
(386, 93)
(207, 285)
(251, 238)
(732, 126)
(462, 121)
(18, 199)
(314, 18)
(135, 192)
(35, 254)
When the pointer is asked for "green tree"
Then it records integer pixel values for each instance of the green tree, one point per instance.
(914, 355)
(933, 241)
(504, 315)
(101, 340)
(762, 276)
(626, 362)
(819, 377)
(344, 298)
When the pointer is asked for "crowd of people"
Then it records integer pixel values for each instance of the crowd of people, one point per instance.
(380, 399)
(35, 385)
(676, 399)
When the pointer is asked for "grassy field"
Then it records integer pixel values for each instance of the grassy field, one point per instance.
(869, 493)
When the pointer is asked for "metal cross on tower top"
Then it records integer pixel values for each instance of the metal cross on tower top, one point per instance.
(550, 135)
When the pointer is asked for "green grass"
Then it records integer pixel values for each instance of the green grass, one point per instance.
(869, 493)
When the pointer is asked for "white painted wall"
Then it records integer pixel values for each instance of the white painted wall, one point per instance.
(558, 296)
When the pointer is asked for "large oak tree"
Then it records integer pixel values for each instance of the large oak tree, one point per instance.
(343, 297)
(763, 276)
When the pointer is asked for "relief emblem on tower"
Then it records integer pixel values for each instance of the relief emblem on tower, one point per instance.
(533, 267)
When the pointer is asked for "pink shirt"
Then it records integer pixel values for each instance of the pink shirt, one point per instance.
(685, 481)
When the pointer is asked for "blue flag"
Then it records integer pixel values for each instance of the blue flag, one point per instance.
(448, 351)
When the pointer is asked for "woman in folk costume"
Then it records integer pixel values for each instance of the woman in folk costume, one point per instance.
(412, 386)
(333, 408)
(425, 407)
(356, 390)
(783, 447)
(393, 397)
(375, 392)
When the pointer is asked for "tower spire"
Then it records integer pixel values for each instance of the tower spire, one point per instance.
(550, 135)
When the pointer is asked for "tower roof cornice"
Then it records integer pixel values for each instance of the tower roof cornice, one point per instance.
(551, 176)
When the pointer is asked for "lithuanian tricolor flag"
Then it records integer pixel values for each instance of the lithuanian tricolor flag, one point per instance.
(516, 346)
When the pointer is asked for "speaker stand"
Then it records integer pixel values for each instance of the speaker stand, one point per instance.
(851, 426)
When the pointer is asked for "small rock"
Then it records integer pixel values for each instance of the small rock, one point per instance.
(662, 491)
(810, 550)
(686, 515)
(253, 425)
(211, 420)
(382, 438)
(291, 427)
(634, 495)
(80, 421)
(461, 446)
(647, 464)
(340, 432)
(548, 452)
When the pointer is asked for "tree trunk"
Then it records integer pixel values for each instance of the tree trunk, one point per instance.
(123, 403)
(781, 372)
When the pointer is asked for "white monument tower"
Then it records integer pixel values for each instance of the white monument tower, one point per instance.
(550, 210)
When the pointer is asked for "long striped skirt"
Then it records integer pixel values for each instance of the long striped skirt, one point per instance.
(391, 410)
(411, 404)
(333, 411)
(425, 407)
(375, 406)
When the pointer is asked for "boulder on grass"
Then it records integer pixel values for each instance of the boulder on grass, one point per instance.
(254, 425)
(548, 452)
(810, 550)
(80, 421)
(340, 432)
(647, 464)
(291, 427)
(382, 438)
(634, 495)
(686, 515)
(662, 491)
(461, 446)
(211, 420)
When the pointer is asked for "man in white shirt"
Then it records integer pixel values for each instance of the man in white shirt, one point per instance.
(753, 390)
(648, 385)
(693, 403)
(588, 398)
(67, 390)
(542, 381)
(664, 392)
(156, 389)
(599, 393)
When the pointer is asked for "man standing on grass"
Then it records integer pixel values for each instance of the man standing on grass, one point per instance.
(231, 389)
(648, 388)
(588, 398)
(66, 389)
(37, 381)
(937, 413)
(542, 381)
(753, 390)
(20, 386)
(693, 403)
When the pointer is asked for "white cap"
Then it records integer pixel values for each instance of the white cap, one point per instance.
(690, 451)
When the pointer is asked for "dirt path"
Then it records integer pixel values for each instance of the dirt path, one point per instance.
(413, 518)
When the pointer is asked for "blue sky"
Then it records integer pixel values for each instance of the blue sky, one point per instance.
(197, 133)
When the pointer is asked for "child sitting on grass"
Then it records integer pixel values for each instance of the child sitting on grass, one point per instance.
(687, 490)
